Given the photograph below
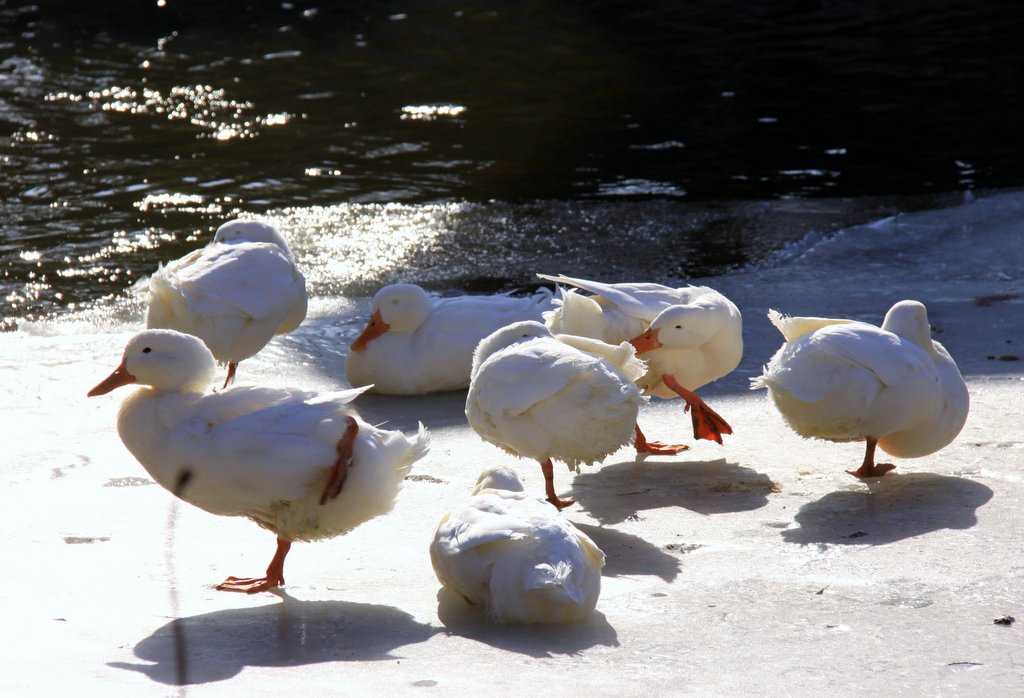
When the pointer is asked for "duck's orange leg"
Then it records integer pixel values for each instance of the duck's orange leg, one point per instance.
(655, 448)
(232, 367)
(707, 424)
(869, 468)
(274, 578)
(549, 487)
(340, 470)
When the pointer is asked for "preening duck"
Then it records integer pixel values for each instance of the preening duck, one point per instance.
(544, 397)
(892, 387)
(300, 464)
(235, 294)
(516, 556)
(688, 337)
(416, 343)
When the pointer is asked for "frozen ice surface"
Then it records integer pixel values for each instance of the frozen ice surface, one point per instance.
(754, 568)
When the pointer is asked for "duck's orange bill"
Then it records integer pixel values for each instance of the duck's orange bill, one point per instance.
(374, 329)
(119, 377)
(648, 341)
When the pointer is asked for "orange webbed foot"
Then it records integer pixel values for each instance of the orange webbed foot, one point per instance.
(249, 585)
(660, 448)
(549, 487)
(707, 424)
(869, 468)
(253, 585)
(876, 470)
(560, 503)
(655, 448)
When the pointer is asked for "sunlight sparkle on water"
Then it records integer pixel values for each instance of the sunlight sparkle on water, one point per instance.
(121, 245)
(188, 202)
(34, 136)
(203, 106)
(321, 172)
(432, 112)
(363, 245)
(640, 187)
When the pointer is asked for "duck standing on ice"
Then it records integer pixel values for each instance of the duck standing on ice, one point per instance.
(515, 556)
(545, 397)
(415, 343)
(300, 464)
(235, 294)
(893, 387)
(688, 337)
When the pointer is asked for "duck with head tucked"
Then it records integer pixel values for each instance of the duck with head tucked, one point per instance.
(235, 294)
(416, 343)
(893, 386)
(300, 464)
(515, 556)
(545, 397)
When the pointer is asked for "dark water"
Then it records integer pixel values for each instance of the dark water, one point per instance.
(129, 130)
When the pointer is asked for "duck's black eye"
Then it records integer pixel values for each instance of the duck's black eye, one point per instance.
(147, 350)
(679, 327)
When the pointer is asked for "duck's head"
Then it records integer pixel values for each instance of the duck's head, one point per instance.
(909, 319)
(507, 336)
(164, 359)
(678, 327)
(250, 231)
(498, 479)
(395, 308)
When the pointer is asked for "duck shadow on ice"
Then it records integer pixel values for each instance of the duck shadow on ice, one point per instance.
(218, 646)
(629, 555)
(614, 493)
(463, 620)
(893, 508)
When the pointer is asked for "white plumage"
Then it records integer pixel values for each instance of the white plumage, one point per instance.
(688, 336)
(300, 464)
(415, 343)
(543, 397)
(516, 556)
(893, 386)
(235, 294)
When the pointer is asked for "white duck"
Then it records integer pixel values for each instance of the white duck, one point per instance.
(416, 344)
(302, 465)
(892, 386)
(235, 294)
(688, 336)
(544, 397)
(515, 556)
